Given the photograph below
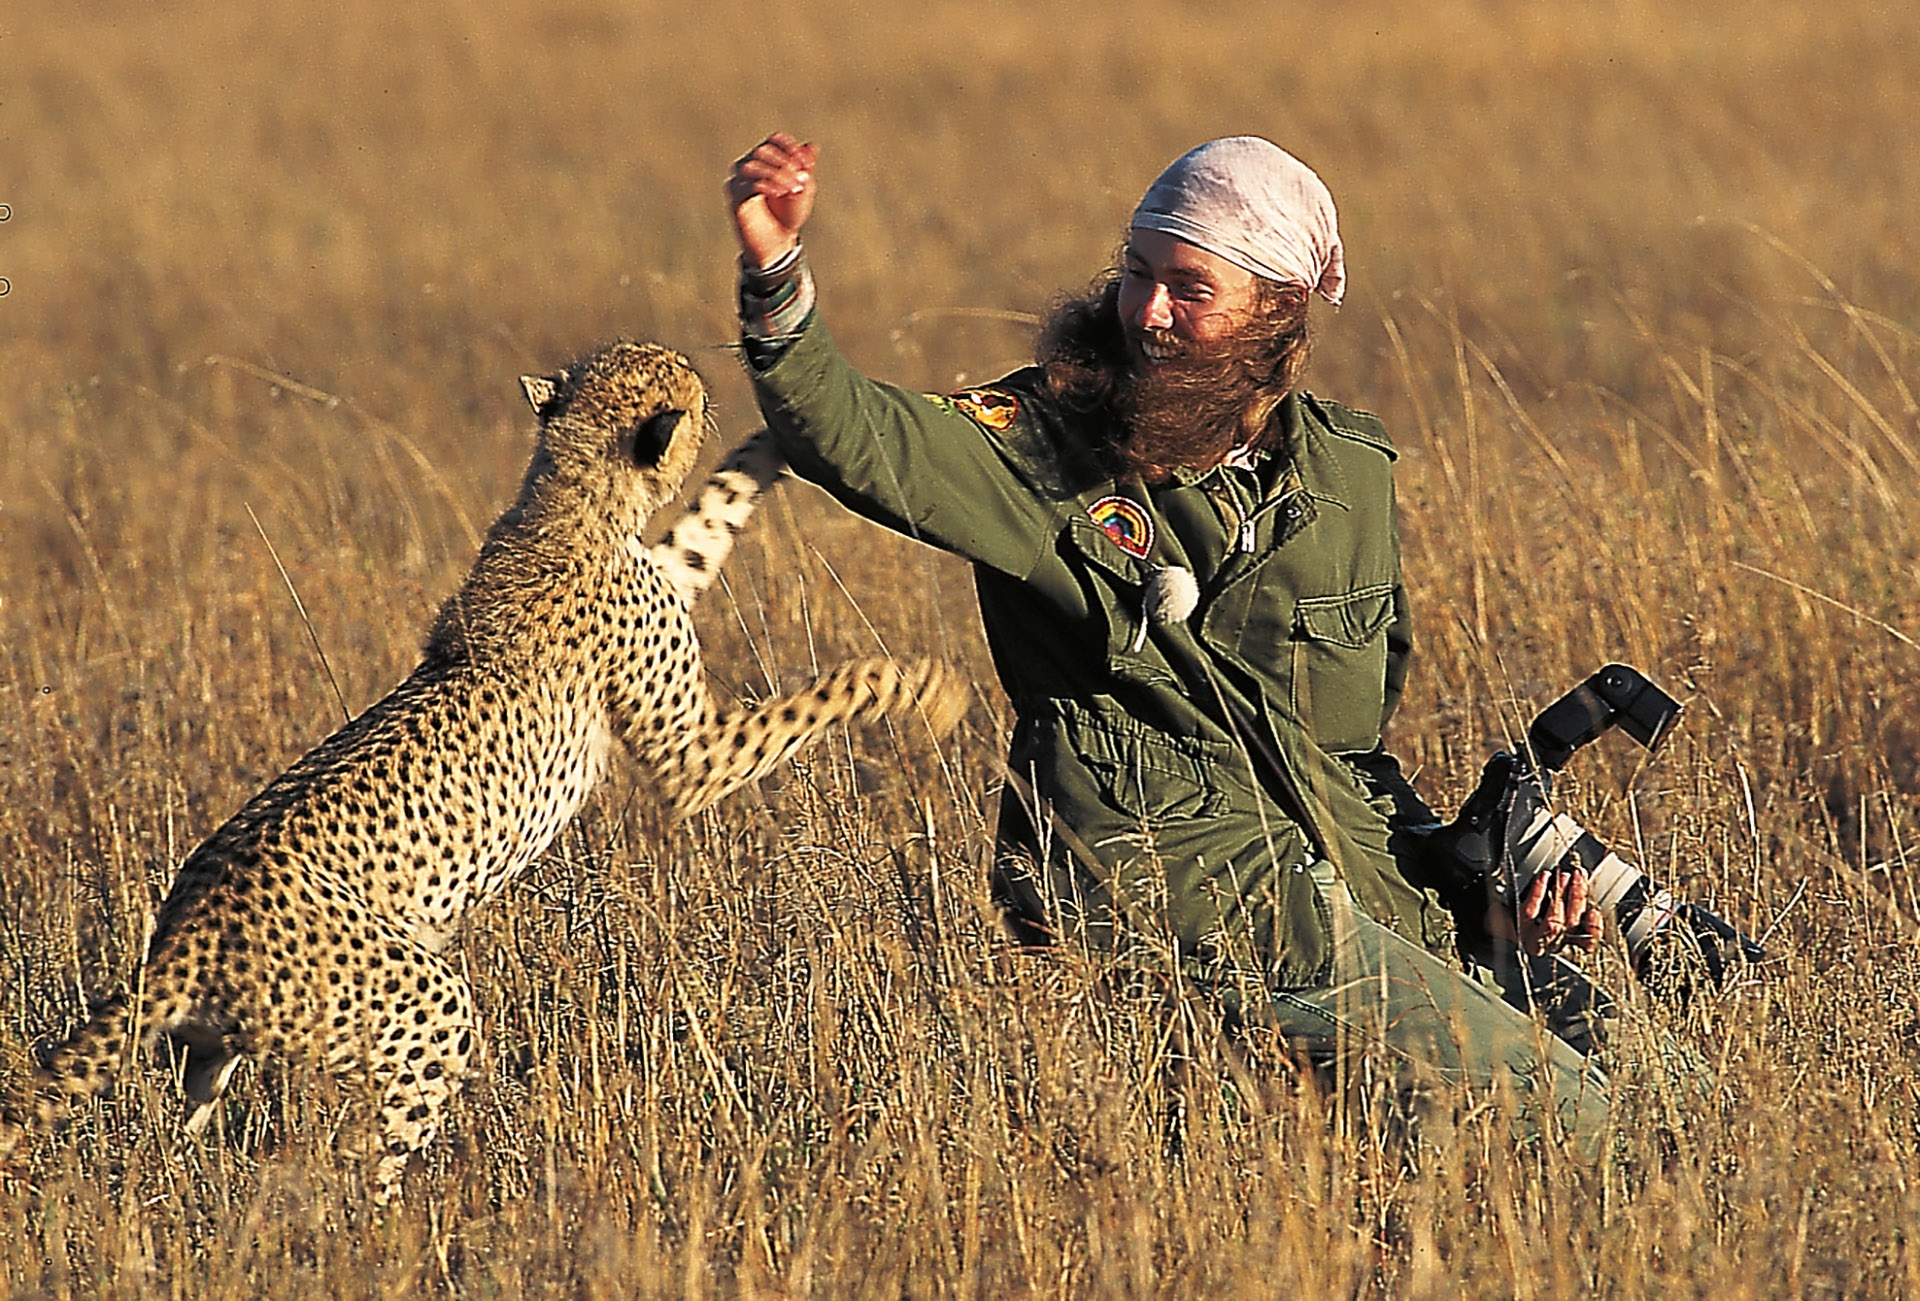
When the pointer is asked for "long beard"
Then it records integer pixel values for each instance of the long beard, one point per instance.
(1189, 411)
(1186, 412)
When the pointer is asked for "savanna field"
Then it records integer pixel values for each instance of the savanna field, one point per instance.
(1637, 290)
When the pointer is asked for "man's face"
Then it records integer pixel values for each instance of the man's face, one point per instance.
(1177, 299)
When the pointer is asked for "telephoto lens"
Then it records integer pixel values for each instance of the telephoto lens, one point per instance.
(1507, 833)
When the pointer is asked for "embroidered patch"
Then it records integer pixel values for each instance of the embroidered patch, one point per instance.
(1125, 521)
(995, 409)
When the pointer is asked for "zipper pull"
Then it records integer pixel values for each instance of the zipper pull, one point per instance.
(1246, 534)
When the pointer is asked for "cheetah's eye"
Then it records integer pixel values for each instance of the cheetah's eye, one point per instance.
(651, 436)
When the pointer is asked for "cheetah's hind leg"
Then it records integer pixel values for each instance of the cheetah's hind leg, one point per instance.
(420, 1052)
(210, 1064)
(746, 743)
(400, 1019)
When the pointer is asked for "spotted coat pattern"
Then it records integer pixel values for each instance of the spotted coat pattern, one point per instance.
(312, 923)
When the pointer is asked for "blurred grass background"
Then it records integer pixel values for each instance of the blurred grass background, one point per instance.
(1636, 288)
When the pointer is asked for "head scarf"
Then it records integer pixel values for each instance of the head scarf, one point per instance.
(1254, 204)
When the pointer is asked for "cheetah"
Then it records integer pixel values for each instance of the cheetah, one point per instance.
(312, 923)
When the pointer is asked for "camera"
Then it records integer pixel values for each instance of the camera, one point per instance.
(1507, 833)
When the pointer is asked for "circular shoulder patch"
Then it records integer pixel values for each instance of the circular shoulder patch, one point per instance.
(1125, 521)
(995, 408)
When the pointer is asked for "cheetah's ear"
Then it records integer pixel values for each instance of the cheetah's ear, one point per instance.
(543, 391)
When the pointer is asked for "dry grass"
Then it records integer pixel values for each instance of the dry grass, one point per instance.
(1635, 287)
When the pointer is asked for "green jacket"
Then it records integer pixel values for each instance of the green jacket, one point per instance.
(1178, 781)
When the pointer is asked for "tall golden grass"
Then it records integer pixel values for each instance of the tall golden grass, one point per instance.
(1635, 286)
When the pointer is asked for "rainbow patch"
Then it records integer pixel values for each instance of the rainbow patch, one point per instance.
(1125, 521)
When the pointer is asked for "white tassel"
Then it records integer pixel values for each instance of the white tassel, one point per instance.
(1169, 597)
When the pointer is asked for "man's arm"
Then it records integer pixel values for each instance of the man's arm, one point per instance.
(912, 463)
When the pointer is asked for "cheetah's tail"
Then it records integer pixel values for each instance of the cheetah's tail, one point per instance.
(691, 554)
(80, 1068)
(747, 743)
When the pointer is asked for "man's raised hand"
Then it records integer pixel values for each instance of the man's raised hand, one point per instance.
(771, 191)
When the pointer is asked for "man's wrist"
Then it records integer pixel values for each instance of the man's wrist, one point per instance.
(772, 272)
(775, 304)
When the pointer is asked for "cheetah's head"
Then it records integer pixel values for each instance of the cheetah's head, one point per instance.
(621, 427)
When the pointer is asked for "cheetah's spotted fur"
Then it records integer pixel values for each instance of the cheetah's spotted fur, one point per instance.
(311, 923)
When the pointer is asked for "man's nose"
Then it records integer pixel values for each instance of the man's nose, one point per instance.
(1157, 313)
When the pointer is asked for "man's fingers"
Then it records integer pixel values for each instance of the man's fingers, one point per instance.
(1575, 907)
(769, 180)
(787, 143)
(800, 154)
(779, 165)
(1557, 910)
(1586, 936)
(1535, 897)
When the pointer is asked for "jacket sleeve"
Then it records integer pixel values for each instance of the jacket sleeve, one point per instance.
(905, 460)
(1380, 774)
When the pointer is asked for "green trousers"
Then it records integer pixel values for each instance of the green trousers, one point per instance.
(1394, 1012)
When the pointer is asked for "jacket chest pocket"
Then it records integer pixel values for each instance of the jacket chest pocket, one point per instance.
(1340, 665)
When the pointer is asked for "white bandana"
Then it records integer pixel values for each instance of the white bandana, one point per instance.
(1254, 204)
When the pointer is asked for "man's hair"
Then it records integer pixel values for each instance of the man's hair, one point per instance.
(1191, 410)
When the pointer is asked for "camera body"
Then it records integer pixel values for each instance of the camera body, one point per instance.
(1507, 833)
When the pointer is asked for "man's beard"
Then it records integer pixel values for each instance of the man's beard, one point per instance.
(1190, 410)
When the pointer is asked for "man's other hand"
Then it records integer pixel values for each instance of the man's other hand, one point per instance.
(1555, 911)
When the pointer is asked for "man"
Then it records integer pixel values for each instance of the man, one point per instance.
(1188, 573)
